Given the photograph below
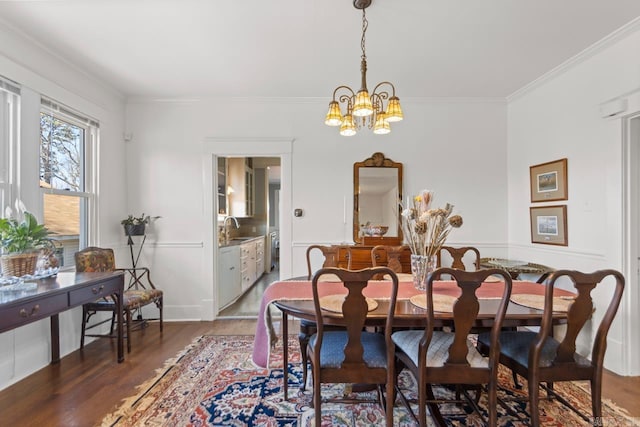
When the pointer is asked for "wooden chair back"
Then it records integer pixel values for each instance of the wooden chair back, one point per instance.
(457, 256)
(346, 354)
(94, 259)
(543, 358)
(354, 311)
(332, 256)
(456, 369)
(397, 258)
(437, 356)
(578, 314)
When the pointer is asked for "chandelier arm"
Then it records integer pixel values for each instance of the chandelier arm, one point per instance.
(335, 91)
(376, 101)
(393, 88)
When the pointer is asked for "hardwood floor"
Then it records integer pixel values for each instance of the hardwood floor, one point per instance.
(89, 384)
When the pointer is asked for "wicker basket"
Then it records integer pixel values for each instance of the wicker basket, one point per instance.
(19, 265)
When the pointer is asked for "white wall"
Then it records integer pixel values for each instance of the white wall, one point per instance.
(456, 148)
(560, 118)
(27, 349)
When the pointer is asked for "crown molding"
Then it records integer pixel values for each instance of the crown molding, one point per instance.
(581, 57)
(305, 100)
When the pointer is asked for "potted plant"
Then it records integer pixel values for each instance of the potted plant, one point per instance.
(135, 225)
(21, 240)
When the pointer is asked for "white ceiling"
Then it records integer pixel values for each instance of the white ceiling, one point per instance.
(305, 48)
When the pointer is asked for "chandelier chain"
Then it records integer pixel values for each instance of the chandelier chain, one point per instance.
(365, 24)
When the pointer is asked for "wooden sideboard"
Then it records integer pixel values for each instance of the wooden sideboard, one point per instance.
(357, 257)
(54, 295)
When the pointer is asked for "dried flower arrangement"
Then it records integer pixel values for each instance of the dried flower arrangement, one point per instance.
(425, 228)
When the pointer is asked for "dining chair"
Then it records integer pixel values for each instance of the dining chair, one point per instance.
(397, 258)
(352, 354)
(541, 358)
(457, 256)
(139, 292)
(437, 356)
(332, 256)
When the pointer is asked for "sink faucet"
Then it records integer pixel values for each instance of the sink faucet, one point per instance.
(224, 227)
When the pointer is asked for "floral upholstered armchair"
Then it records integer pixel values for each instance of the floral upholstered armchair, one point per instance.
(139, 291)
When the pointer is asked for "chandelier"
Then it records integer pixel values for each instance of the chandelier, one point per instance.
(362, 108)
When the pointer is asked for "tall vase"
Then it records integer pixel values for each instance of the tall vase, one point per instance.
(421, 267)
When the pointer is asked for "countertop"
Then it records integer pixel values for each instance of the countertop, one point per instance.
(237, 241)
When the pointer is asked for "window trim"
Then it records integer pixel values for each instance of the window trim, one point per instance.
(90, 161)
(11, 119)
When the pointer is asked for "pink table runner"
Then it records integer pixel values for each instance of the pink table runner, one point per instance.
(266, 336)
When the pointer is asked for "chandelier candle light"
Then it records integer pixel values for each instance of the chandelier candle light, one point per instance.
(364, 109)
(427, 230)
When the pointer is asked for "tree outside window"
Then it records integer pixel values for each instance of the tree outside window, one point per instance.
(62, 181)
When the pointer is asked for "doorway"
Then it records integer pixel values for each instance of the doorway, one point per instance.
(632, 237)
(244, 147)
(248, 208)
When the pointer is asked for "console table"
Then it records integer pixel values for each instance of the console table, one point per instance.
(515, 268)
(54, 295)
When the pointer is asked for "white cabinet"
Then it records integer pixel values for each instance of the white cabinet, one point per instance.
(239, 267)
(240, 178)
(222, 186)
(229, 285)
(259, 258)
(251, 261)
(248, 264)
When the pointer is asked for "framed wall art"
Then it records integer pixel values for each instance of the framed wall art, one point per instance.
(548, 181)
(549, 225)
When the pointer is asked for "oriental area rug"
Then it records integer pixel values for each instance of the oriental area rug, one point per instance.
(213, 382)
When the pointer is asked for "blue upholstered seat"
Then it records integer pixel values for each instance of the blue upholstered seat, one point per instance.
(516, 345)
(334, 342)
(438, 352)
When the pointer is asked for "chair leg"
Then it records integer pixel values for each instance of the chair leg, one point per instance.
(84, 325)
(596, 397)
(516, 383)
(390, 399)
(433, 408)
(534, 397)
(113, 322)
(160, 305)
(492, 396)
(128, 320)
(303, 339)
(422, 400)
(317, 397)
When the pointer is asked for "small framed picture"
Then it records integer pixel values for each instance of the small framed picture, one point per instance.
(549, 181)
(549, 225)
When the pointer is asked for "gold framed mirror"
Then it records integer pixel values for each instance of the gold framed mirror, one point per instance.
(377, 191)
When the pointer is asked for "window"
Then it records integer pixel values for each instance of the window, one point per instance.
(67, 147)
(9, 107)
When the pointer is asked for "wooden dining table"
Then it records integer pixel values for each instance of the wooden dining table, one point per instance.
(294, 298)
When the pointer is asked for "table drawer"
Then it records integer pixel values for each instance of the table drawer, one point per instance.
(32, 311)
(91, 293)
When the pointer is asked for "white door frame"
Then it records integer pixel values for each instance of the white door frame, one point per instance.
(630, 308)
(215, 147)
